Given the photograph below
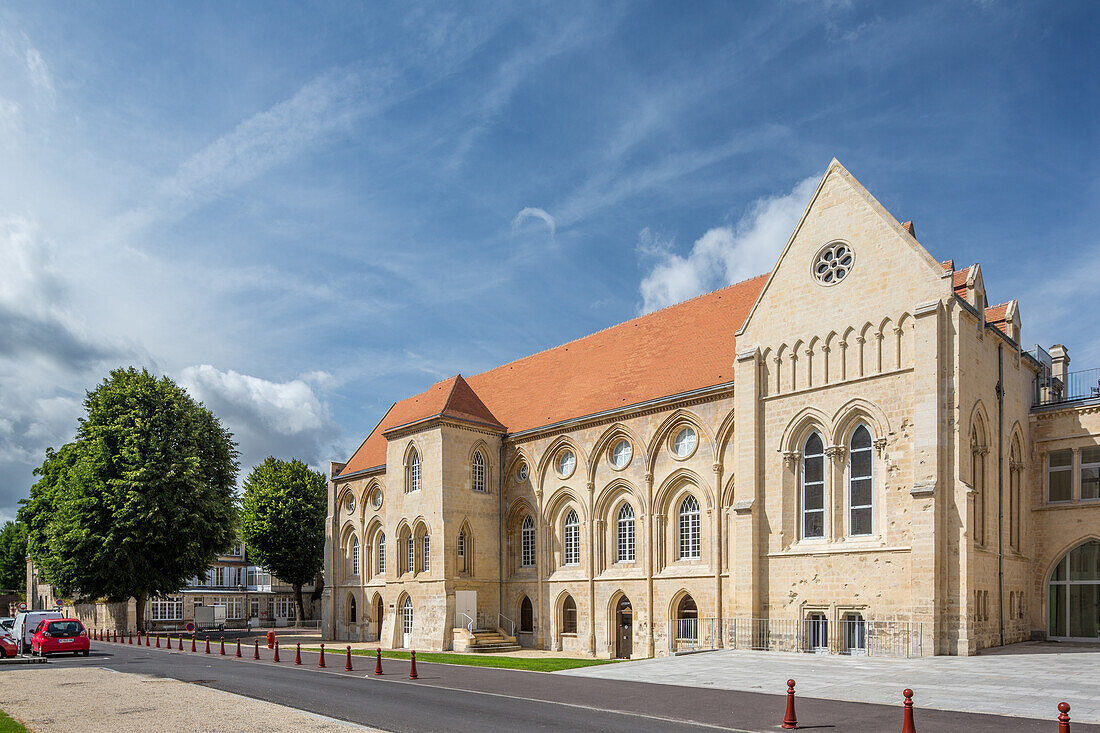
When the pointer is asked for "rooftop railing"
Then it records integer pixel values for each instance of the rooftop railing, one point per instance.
(1079, 385)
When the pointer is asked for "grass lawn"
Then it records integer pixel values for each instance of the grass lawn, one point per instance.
(7, 725)
(534, 664)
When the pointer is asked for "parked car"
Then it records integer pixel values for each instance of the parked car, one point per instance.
(9, 647)
(60, 635)
(25, 624)
(6, 622)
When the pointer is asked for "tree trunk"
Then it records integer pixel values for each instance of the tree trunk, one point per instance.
(301, 606)
(140, 610)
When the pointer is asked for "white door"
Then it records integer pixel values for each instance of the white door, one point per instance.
(465, 608)
(407, 623)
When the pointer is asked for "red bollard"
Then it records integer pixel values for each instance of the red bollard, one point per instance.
(321, 661)
(347, 665)
(181, 642)
(412, 666)
(276, 659)
(208, 643)
(158, 641)
(378, 661)
(192, 642)
(790, 722)
(222, 650)
(256, 651)
(131, 637)
(238, 647)
(907, 725)
(297, 653)
(1063, 717)
(271, 640)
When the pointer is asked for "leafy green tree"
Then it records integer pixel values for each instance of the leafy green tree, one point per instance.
(13, 557)
(283, 521)
(141, 500)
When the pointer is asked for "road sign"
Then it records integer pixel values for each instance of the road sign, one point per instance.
(22, 607)
(190, 625)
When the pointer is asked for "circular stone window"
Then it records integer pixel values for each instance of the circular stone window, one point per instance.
(621, 453)
(684, 443)
(522, 472)
(376, 498)
(350, 504)
(566, 463)
(833, 263)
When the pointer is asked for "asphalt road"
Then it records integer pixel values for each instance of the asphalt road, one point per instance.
(448, 697)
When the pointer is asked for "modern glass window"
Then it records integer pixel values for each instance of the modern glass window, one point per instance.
(527, 543)
(621, 454)
(354, 555)
(689, 528)
(1074, 594)
(1090, 473)
(569, 616)
(566, 463)
(684, 442)
(412, 481)
(425, 561)
(1060, 475)
(381, 552)
(813, 488)
(478, 470)
(625, 527)
(860, 483)
(572, 539)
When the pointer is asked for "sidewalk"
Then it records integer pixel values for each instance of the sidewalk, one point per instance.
(99, 700)
(1023, 680)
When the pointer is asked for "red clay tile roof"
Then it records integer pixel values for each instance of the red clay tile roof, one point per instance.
(910, 227)
(995, 314)
(959, 282)
(948, 265)
(679, 349)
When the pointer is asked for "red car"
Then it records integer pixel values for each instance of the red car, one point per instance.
(9, 647)
(60, 635)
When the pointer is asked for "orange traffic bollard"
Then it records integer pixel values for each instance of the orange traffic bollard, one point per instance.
(238, 647)
(907, 725)
(412, 666)
(276, 658)
(192, 642)
(208, 643)
(256, 651)
(1063, 717)
(147, 639)
(321, 661)
(131, 636)
(378, 661)
(790, 722)
(158, 641)
(222, 650)
(297, 653)
(347, 665)
(181, 642)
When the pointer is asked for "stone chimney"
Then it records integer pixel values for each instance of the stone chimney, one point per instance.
(1059, 370)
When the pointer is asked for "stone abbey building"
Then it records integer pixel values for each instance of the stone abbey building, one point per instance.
(853, 447)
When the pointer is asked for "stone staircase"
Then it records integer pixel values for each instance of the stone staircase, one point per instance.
(491, 641)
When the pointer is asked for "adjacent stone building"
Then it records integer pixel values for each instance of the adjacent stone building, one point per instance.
(851, 453)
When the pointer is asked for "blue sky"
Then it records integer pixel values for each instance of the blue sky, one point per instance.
(305, 211)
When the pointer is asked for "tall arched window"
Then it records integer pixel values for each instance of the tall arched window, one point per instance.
(813, 488)
(354, 555)
(860, 483)
(381, 553)
(569, 616)
(1074, 594)
(977, 483)
(478, 472)
(462, 551)
(572, 533)
(426, 548)
(625, 534)
(527, 543)
(412, 472)
(410, 554)
(689, 528)
(1014, 468)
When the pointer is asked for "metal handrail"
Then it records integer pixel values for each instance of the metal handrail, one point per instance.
(511, 624)
(469, 626)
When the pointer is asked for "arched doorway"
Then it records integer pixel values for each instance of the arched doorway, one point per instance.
(1073, 595)
(351, 609)
(687, 623)
(624, 629)
(379, 609)
(526, 616)
(406, 623)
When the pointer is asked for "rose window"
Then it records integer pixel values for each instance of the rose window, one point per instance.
(833, 263)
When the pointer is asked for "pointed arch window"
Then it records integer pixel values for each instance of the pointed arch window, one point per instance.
(410, 554)
(478, 472)
(381, 553)
(689, 528)
(355, 556)
(625, 527)
(813, 488)
(977, 483)
(572, 554)
(426, 549)
(569, 616)
(860, 483)
(527, 543)
(412, 472)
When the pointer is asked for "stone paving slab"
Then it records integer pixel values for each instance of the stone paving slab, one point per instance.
(1023, 680)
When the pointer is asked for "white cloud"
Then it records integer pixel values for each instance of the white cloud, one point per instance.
(724, 255)
(531, 212)
(37, 70)
(283, 419)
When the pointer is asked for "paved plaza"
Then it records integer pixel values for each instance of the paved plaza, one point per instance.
(1026, 680)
